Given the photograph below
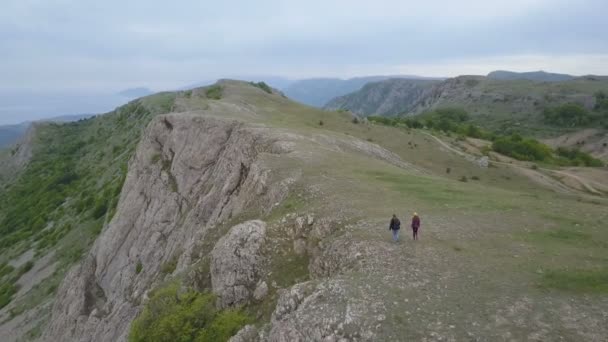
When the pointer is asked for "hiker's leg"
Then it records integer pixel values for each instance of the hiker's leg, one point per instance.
(397, 235)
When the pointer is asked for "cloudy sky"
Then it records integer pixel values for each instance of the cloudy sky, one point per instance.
(105, 46)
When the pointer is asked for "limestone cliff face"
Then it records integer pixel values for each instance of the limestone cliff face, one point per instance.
(188, 175)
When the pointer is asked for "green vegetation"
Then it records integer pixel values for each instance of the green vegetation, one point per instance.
(396, 122)
(170, 265)
(172, 314)
(601, 102)
(532, 150)
(72, 183)
(7, 290)
(444, 119)
(575, 115)
(515, 146)
(214, 92)
(568, 115)
(576, 157)
(522, 149)
(582, 281)
(262, 85)
(138, 268)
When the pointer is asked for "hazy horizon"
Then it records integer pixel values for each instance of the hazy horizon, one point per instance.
(73, 47)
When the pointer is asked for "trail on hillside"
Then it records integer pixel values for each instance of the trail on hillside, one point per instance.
(556, 185)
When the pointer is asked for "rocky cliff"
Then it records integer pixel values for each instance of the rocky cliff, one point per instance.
(189, 174)
(390, 97)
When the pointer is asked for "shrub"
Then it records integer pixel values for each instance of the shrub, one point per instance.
(6, 293)
(101, 207)
(475, 178)
(567, 115)
(172, 315)
(463, 179)
(355, 120)
(320, 122)
(576, 157)
(214, 92)
(138, 267)
(170, 265)
(522, 149)
(262, 85)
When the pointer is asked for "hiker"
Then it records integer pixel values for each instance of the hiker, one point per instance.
(415, 225)
(395, 225)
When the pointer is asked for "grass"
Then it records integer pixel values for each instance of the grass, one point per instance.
(172, 314)
(577, 281)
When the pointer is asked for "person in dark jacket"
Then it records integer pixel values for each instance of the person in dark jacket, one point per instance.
(394, 226)
(415, 225)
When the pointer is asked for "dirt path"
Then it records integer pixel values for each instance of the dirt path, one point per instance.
(556, 185)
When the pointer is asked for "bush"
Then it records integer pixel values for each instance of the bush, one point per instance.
(138, 267)
(262, 85)
(568, 115)
(522, 149)
(101, 207)
(463, 179)
(574, 157)
(214, 92)
(6, 293)
(170, 265)
(171, 315)
(320, 122)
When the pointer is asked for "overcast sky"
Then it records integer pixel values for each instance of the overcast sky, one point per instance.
(83, 45)
(115, 44)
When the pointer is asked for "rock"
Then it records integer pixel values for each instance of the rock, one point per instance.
(260, 291)
(483, 162)
(310, 220)
(235, 263)
(248, 334)
(188, 174)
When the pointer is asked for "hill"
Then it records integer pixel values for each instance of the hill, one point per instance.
(494, 104)
(389, 97)
(317, 92)
(537, 76)
(230, 209)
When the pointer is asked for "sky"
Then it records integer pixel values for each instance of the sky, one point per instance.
(101, 47)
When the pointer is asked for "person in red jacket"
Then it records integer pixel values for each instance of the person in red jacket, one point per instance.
(415, 225)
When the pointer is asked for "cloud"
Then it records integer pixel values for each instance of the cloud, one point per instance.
(112, 45)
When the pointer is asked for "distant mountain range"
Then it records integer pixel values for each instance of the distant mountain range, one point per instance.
(537, 76)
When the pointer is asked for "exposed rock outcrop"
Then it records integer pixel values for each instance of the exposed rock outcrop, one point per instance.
(235, 263)
(189, 174)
